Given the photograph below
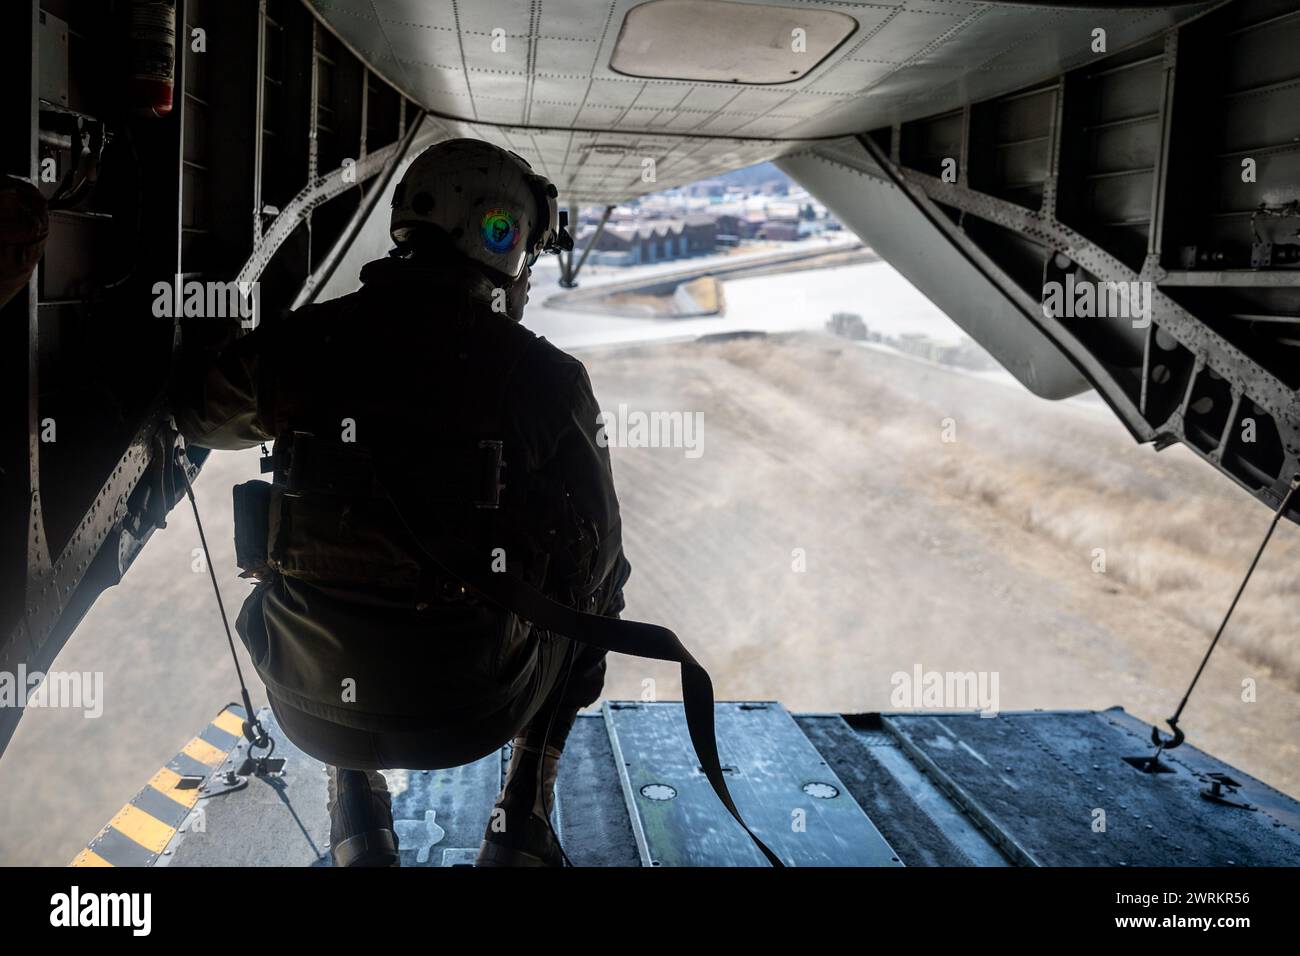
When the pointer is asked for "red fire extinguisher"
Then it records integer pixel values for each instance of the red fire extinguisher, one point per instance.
(153, 55)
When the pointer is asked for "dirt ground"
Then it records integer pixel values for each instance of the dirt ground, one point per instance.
(975, 554)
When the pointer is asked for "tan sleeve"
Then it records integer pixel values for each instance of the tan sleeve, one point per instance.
(221, 403)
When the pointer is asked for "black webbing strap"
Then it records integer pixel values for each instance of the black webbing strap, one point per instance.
(469, 474)
(635, 638)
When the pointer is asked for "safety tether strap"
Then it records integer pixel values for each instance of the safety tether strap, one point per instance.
(254, 732)
(1160, 743)
(635, 638)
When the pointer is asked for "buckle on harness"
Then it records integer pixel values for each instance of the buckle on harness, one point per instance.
(490, 467)
(305, 464)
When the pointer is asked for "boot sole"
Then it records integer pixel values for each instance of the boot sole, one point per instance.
(375, 848)
(493, 854)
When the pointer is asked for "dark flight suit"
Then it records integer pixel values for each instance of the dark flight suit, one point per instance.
(414, 361)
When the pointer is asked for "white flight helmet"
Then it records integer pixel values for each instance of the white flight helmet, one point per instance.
(487, 201)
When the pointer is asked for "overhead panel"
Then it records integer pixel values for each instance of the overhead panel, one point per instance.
(724, 42)
(703, 86)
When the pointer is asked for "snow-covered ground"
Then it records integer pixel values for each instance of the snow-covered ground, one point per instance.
(786, 302)
(782, 302)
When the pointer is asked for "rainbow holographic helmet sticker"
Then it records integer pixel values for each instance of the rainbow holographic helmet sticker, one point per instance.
(500, 230)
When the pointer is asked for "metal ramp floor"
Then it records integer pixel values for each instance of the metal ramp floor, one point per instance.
(1033, 788)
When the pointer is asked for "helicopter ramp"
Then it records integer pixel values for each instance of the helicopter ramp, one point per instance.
(950, 789)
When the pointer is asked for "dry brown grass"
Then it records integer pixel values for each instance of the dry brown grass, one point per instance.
(1173, 529)
(1188, 555)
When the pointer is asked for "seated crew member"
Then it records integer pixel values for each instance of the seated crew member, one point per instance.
(373, 656)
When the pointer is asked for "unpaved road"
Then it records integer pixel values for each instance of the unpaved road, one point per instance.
(970, 555)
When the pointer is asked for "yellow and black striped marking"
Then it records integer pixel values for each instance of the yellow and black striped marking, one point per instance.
(142, 829)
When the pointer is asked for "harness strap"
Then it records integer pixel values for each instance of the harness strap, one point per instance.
(635, 638)
(469, 473)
